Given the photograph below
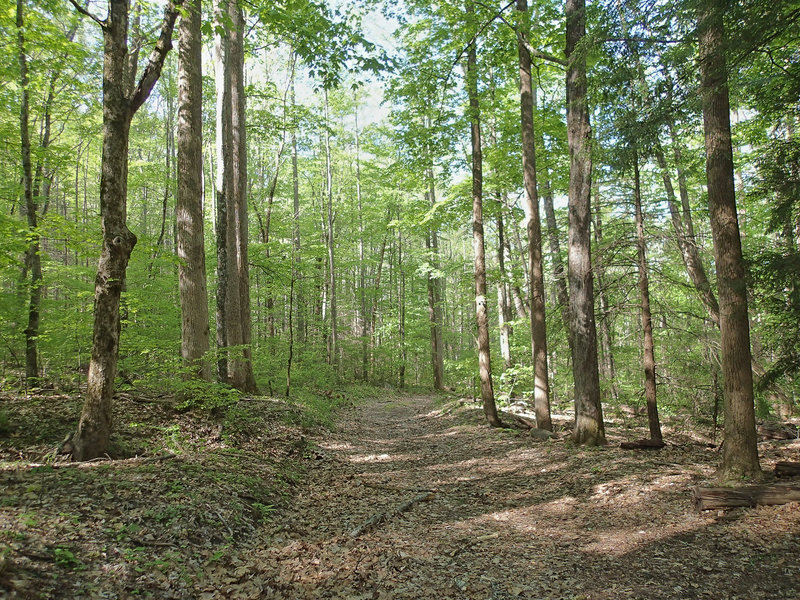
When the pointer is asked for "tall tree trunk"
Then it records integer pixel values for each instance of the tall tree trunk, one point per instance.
(401, 301)
(479, 250)
(30, 207)
(189, 209)
(647, 324)
(333, 340)
(434, 292)
(541, 388)
(503, 304)
(301, 324)
(223, 189)
(589, 427)
(244, 365)
(94, 428)
(362, 292)
(740, 454)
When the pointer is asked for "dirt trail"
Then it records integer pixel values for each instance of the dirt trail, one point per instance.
(508, 517)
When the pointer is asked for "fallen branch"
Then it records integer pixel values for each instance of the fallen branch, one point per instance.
(643, 445)
(96, 462)
(383, 516)
(709, 498)
(473, 542)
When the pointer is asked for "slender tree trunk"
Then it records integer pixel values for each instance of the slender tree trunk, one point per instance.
(647, 324)
(333, 340)
(589, 428)
(479, 250)
(301, 325)
(541, 389)
(401, 301)
(223, 186)
(740, 454)
(94, 428)
(606, 343)
(362, 280)
(434, 293)
(503, 305)
(559, 275)
(30, 207)
(190, 222)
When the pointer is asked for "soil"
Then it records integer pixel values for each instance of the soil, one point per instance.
(409, 497)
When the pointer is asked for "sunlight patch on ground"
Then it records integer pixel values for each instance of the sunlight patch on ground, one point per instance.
(365, 458)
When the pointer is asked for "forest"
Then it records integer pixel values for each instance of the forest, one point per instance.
(347, 299)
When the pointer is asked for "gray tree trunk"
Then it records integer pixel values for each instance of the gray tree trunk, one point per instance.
(94, 428)
(541, 393)
(479, 250)
(589, 427)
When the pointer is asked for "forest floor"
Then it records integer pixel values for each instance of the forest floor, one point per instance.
(407, 497)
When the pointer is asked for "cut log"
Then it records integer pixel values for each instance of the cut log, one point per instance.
(787, 469)
(643, 445)
(709, 498)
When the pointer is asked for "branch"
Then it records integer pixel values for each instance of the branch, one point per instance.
(521, 37)
(86, 13)
(152, 71)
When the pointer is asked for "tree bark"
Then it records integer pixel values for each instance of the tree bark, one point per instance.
(714, 498)
(504, 315)
(94, 428)
(606, 343)
(192, 284)
(541, 393)
(434, 293)
(244, 365)
(647, 323)
(479, 250)
(589, 427)
(33, 262)
(333, 340)
(740, 453)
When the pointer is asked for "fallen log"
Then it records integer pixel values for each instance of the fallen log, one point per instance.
(778, 431)
(710, 498)
(787, 469)
(382, 516)
(643, 445)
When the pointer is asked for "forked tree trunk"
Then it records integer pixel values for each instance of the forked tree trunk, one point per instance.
(94, 428)
(479, 250)
(740, 453)
(541, 393)
(589, 427)
(647, 323)
(189, 209)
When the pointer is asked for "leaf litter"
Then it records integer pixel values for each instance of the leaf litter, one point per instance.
(408, 497)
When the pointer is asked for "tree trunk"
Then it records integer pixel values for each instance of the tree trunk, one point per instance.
(333, 340)
(504, 315)
(189, 209)
(223, 190)
(589, 427)
(94, 428)
(482, 316)
(362, 292)
(647, 324)
(434, 293)
(401, 301)
(301, 324)
(33, 262)
(740, 454)
(244, 365)
(541, 393)
(606, 343)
